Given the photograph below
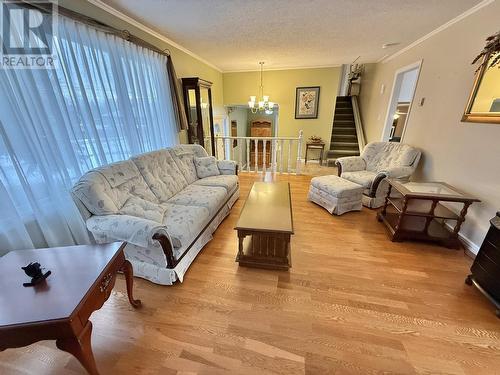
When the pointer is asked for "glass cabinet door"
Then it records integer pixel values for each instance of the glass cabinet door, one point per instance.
(192, 116)
(205, 119)
(198, 103)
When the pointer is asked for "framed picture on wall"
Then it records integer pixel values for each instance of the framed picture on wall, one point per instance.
(306, 102)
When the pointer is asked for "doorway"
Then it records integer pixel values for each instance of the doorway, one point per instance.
(242, 122)
(400, 103)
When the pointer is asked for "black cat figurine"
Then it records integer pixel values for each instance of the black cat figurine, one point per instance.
(34, 270)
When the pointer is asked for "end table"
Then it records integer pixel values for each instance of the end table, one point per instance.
(320, 146)
(59, 309)
(418, 211)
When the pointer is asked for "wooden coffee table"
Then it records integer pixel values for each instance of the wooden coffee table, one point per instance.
(59, 309)
(265, 227)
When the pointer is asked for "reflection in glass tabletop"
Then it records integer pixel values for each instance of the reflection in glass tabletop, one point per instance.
(430, 188)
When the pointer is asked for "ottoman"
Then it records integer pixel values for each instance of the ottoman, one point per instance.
(335, 194)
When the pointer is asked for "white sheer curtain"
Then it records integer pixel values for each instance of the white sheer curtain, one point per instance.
(107, 99)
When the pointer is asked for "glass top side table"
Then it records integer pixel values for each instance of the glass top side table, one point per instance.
(424, 211)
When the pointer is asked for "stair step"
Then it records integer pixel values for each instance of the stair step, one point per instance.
(343, 106)
(344, 141)
(343, 116)
(343, 98)
(345, 137)
(341, 153)
(343, 130)
(344, 120)
(334, 145)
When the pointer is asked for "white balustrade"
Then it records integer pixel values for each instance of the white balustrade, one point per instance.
(282, 151)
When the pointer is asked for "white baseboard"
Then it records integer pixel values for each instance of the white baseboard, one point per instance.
(471, 249)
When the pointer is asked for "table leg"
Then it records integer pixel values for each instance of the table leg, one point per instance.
(386, 202)
(129, 279)
(81, 348)
(461, 219)
(399, 223)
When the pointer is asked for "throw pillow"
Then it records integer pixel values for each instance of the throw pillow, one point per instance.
(206, 166)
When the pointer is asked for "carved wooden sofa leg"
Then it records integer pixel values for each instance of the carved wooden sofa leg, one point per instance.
(167, 249)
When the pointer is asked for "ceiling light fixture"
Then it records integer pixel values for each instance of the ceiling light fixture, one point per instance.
(263, 105)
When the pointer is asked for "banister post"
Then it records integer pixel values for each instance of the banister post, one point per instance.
(299, 151)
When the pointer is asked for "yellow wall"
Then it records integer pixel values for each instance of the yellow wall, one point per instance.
(280, 86)
(185, 65)
(460, 153)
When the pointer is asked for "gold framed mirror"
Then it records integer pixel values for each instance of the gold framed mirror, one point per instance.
(484, 101)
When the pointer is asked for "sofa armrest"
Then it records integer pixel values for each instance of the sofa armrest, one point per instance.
(398, 172)
(350, 164)
(135, 230)
(227, 167)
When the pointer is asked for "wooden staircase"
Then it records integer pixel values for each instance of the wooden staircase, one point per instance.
(344, 141)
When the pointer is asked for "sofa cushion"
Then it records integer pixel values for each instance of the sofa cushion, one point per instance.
(126, 181)
(229, 182)
(197, 150)
(227, 166)
(382, 155)
(184, 223)
(161, 173)
(363, 178)
(206, 166)
(139, 207)
(105, 190)
(95, 192)
(185, 162)
(210, 197)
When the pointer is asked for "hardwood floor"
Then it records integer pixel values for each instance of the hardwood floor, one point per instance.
(353, 302)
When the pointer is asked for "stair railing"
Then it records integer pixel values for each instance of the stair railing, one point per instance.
(357, 123)
(285, 154)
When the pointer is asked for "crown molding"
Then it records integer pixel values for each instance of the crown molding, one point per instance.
(109, 9)
(451, 22)
(283, 68)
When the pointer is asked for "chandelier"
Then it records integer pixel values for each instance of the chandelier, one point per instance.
(263, 105)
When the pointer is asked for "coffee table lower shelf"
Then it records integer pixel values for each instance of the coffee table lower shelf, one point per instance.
(267, 250)
(418, 228)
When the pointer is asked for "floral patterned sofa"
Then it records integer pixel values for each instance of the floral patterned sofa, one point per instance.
(378, 161)
(157, 204)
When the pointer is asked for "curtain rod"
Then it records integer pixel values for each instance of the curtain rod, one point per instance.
(124, 34)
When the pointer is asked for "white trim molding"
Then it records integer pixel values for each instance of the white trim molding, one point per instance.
(471, 248)
(109, 9)
(393, 100)
(451, 22)
(284, 68)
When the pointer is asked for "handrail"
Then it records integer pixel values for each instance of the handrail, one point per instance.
(357, 122)
(277, 147)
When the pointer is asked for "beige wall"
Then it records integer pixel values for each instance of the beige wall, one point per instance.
(185, 65)
(280, 86)
(465, 155)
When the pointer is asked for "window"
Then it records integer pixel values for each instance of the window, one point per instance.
(106, 100)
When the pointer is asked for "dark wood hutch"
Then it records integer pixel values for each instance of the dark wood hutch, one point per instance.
(198, 103)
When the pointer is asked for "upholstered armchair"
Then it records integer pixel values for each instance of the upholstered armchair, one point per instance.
(378, 161)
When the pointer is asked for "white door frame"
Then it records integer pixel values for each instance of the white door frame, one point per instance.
(393, 101)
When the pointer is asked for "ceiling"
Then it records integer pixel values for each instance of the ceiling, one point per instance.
(235, 35)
